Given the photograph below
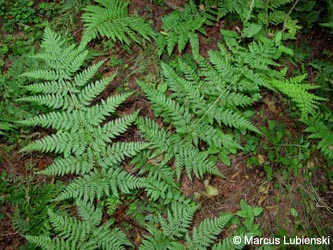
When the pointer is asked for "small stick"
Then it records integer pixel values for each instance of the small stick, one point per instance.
(173, 6)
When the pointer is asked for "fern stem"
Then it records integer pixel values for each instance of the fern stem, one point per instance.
(78, 114)
(211, 106)
(172, 5)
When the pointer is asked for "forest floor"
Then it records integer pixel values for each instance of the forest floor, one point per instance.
(287, 190)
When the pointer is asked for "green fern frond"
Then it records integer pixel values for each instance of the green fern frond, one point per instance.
(156, 240)
(164, 106)
(69, 227)
(172, 146)
(319, 130)
(56, 120)
(48, 75)
(90, 91)
(30, 215)
(277, 17)
(178, 220)
(89, 213)
(81, 164)
(61, 62)
(117, 127)
(99, 183)
(53, 101)
(174, 226)
(87, 74)
(62, 142)
(96, 114)
(233, 119)
(117, 152)
(52, 41)
(305, 101)
(188, 93)
(46, 243)
(184, 123)
(110, 19)
(86, 234)
(154, 169)
(180, 27)
(51, 87)
(208, 230)
(184, 90)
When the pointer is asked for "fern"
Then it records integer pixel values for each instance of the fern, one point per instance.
(111, 19)
(179, 27)
(229, 6)
(84, 142)
(176, 225)
(305, 101)
(264, 55)
(172, 146)
(318, 129)
(204, 235)
(87, 233)
(198, 107)
(100, 183)
(30, 215)
(79, 131)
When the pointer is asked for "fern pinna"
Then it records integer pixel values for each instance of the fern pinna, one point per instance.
(87, 147)
(180, 27)
(110, 18)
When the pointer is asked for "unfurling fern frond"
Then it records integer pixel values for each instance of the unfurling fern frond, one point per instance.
(110, 18)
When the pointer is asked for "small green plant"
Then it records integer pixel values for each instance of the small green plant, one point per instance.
(5, 189)
(18, 14)
(31, 203)
(247, 213)
(11, 86)
(280, 153)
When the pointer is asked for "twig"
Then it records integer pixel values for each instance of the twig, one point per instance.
(3, 235)
(172, 5)
(289, 13)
